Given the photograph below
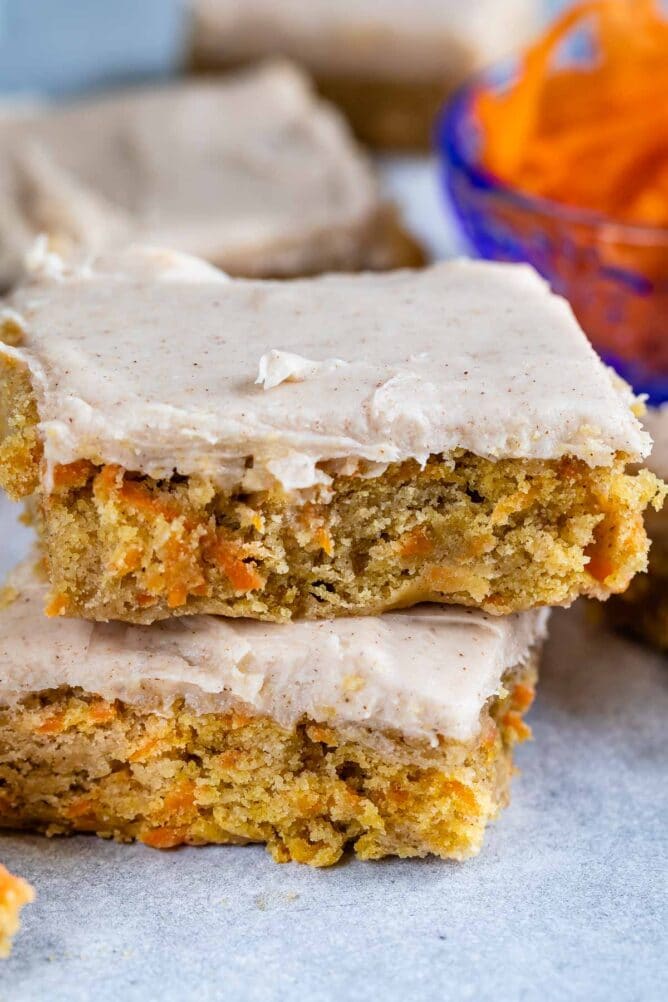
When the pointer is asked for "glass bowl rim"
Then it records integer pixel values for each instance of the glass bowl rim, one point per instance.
(447, 135)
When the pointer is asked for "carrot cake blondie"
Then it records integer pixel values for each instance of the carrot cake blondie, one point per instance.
(14, 894)
(332, 446)
(643, 609)
(391, 734)
(252, 172)
(389, 64)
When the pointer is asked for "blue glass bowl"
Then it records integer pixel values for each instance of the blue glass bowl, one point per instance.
(614, 275)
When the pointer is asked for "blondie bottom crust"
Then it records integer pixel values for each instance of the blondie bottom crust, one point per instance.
(14, 894)
(389, 734)
(442, 435)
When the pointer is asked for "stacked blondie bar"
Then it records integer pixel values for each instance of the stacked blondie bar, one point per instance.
(297, 541)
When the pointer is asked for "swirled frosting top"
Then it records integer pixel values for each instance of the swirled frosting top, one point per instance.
(399, 39)
(161, 364)
(423, 672)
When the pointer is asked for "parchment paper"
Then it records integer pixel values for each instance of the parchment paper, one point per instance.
(568, 899)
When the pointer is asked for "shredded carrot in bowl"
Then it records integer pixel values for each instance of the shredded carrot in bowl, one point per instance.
(593, 133)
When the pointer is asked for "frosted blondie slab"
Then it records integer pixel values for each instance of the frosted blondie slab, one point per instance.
(333, 446)
(253, 173)
(388, 63)
(393, 734)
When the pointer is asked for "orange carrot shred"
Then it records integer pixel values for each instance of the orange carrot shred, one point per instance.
(102, 712)
(52, 725)
(590, 135)
(56, 606)
(243, 577)
(164, 838)
(72, 475)
(522, 696)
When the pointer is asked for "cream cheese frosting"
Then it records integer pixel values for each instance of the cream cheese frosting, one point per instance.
(425, 672)
(398, 39)
(252, 172)
(150, 360)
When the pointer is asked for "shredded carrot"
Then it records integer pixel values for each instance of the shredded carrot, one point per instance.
(464, 797)
(144, 600)
(397, 795)
(325, 735)
(71, 475)
(308, 803)
(236, 721)
(15, 890)
(177, 596)
(522, 696)
(600, 565)
(229, 557)
(164, 838)
(181, 799)
(57, 606)
(324, 541)
(416, 543)
(102, 712)
(108, 479)
(80, 808)
(52, 725)
(155, 582)
(514, 723)
(178, 576)
(126, 561)
(139, 497)
(590, 134)
(5, 804)
(601, 550)
(111, 480)
(229, 759)
(144, 750)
